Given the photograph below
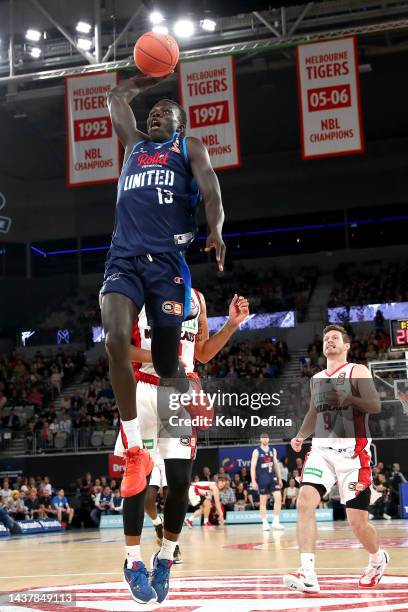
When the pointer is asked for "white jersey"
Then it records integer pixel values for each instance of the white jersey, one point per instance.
(342, 428)
(189, 329)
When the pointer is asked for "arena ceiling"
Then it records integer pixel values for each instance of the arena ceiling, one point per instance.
(32, 121)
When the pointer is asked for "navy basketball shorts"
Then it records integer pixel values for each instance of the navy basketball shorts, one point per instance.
(161, 282)
(266, 486)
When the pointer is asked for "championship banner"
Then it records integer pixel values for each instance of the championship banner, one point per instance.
(93, 152)
(208, 94)
(329, 98)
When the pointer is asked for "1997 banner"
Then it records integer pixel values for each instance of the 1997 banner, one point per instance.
(92, 147)
(207, 92)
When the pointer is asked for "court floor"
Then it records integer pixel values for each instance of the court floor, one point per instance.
(235, 569)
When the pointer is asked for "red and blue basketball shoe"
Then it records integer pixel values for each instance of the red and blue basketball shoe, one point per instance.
(161, 576)
(137, 581)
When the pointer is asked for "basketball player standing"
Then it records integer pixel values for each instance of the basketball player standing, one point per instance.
(264, 466)
(342, 397)
(164, 175)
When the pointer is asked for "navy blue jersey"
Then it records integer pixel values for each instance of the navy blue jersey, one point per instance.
(264, 465)
(157, 199)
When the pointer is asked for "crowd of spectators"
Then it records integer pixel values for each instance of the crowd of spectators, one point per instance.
(27, 399)
(36, 497)
(36, 381)
(269, 290)
(370, 283)
(48, 425)
(256, 359)
(75, 311)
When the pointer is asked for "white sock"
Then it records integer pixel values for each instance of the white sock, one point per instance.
(157, 521)
(307, 561)
(276, 519)
(264, 520)
(167, 549)
(377, 557)
(131, 429)
(133, 554)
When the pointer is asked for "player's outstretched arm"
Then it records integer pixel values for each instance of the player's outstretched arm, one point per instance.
(207, 347)
(123, 119)
(210, 191)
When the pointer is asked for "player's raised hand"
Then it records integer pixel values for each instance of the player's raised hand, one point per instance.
(238, 309)
(296, 444)
(215, 241)
(143, 81)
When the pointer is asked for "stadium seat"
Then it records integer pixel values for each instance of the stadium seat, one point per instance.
(97, 439)
(60, 440)
(109, 438)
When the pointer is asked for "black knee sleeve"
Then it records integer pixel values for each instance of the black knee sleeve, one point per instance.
(321, 489)
(360, 501)
(133, 514)
(165, 356)
(165, 350)
(178, 474)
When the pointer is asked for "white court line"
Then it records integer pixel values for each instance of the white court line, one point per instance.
(198, 571)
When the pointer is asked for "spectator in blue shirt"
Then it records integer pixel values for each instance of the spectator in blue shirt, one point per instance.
(64, 512)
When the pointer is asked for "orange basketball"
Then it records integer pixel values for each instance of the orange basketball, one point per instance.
(156, 54)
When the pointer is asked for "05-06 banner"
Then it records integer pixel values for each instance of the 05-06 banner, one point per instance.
(93, 153)
(208, 94)
(329, 98)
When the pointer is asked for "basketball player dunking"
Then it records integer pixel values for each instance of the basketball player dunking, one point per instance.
(342, 397)
(177, 452)
(264, 466)
(163, 177)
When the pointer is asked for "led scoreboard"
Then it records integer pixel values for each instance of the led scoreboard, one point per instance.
(399, 335)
